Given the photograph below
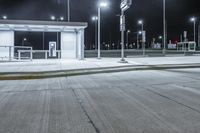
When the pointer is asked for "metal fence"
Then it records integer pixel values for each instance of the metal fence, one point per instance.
(22, 53)
(12, 53)
(136, 53)
(42, 54)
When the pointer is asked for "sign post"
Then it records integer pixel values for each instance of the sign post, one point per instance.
(125, 4)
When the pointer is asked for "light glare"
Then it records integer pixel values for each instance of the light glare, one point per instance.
(61, 18)
(94, 18)
(192, 19)
(103, 4)
(4, 17)
(140, 22)
(53, 18)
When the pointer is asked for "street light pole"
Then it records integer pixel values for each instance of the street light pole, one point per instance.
(164, 27)
(43, 39)
(193, 19)
(101, 4)
(99, 32)
(143, 43)
(195, 31)
(68, 12)
(122, 39)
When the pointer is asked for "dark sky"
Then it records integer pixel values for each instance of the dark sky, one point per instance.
(178, 13)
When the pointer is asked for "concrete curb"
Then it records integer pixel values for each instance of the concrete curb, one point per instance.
(78, 72)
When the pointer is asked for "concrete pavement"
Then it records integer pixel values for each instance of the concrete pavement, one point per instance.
(164, 101)
(69, 64)
(61, 68)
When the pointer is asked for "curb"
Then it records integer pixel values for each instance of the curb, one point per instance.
(79, 72)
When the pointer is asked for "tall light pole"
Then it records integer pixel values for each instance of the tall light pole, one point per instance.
(95, 19)
(140, 22)
(68, 10)
(164, 27)
(193, 19)
(100, 5)
(127, 39)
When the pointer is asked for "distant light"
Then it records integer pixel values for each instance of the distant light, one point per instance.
(5, 17)
(160, 37)
(53, 17)
(94, 18)
(61, 18)
(140, 32)
(103, 4)
(140, 21)
(192, 19)
(25, 39)
(128, 31)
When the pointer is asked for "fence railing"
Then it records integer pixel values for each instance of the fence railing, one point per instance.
(40, 54)
(12, 52)
(18, 53)
(138, 52)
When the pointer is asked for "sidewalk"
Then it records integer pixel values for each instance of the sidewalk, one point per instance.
(40, 69)
(69, 64)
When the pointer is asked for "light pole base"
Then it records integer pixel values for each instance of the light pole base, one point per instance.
(164, 51)
(99, 58)
(123, 61)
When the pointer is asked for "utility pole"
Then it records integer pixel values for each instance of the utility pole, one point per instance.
(99, 32)
(68, 12)
(125, 5)
(164, 27)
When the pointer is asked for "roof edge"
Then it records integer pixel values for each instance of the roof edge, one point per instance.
(39, 22)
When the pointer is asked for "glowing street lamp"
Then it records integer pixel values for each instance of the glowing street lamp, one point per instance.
(94, 18)
(102, 4)
(53, 17)
(4, 17)
(24, 40)
(193, 19)
(61, 18)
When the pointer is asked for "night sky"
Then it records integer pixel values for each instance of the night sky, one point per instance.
(178, 14)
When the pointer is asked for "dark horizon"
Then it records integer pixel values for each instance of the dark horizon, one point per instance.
(178, 14)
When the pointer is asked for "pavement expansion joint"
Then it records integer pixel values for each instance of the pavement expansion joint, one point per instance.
(85, 112)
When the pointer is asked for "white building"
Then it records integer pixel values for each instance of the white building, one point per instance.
(71, 41)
